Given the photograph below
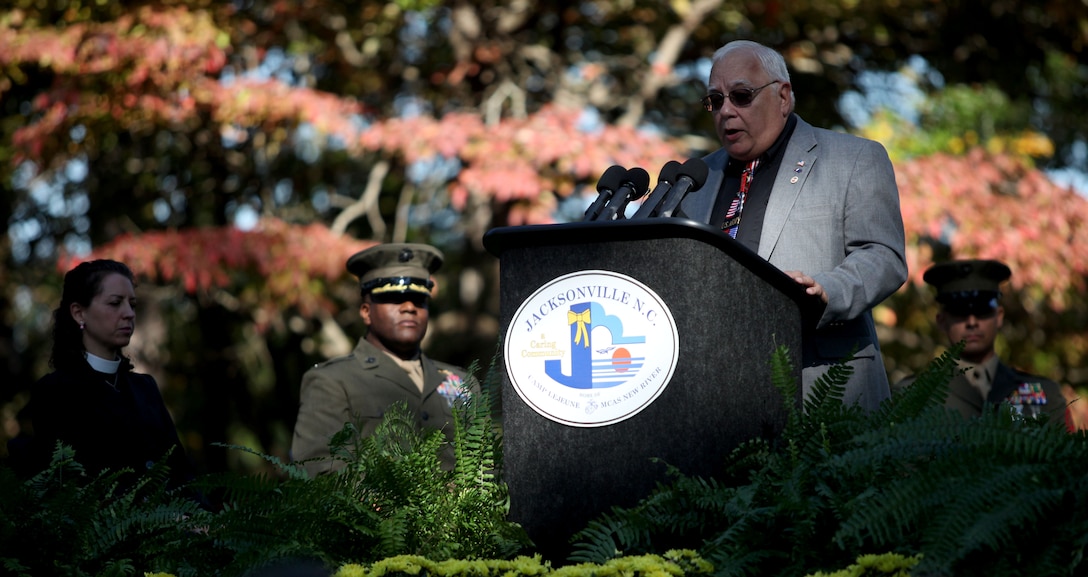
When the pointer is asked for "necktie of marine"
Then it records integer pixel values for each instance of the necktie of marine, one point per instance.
(732, 216)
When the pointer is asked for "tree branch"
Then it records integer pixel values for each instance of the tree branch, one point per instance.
(367, 204)
(668, 51)
(334, 341)
(400, 227)
(493, 105)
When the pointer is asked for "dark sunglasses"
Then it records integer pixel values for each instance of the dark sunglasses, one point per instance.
(740, 97)
(981, 311)
(395, 298)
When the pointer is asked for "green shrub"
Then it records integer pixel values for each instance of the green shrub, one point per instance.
(909, 487)
(676, 563)
(996, 495)
(875, 566)
(64, 522)
(393, 498)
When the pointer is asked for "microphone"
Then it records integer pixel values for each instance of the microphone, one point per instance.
(664, 184)
(608, 182)
(635, 184)
(693, 174)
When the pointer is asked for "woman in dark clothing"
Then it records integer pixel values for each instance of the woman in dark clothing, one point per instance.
(112, 417)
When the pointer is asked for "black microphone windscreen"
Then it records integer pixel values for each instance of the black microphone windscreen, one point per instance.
(665, 180)
(639, 181)
(612, 178)
(692, 176)
(670, 172)
(635, 184)
(696, 170)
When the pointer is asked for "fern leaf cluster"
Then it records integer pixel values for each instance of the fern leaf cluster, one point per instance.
(393, 498)
(995, 495)
(62, 521)
(908, 487)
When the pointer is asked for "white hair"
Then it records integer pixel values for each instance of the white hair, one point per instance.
(769, 59)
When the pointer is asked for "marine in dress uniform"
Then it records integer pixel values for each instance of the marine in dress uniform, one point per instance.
(969, 294)
(386, 366)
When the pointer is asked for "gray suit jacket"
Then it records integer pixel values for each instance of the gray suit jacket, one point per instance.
(834, 215)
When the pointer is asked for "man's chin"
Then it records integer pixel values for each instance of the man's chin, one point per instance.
(408, 339)
(974, 351)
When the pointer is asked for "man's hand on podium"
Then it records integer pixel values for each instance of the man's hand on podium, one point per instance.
(811, 286)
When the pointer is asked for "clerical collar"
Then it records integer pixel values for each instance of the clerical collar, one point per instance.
(776, 150)
(102, 365)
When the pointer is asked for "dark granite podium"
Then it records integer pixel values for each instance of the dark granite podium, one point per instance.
(731, 308)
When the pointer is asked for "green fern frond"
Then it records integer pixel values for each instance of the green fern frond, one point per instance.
(392, 498)
(823, 420)
(912, 477)
(292, 470)
(1004, 433)
(673, 512)
(928, 389)
(393, 534)
(990, 530)
(826, 393)
(72, 523)
(605, 537)
(341, 443)
(746, 460)
(474, 429)
(786, 385)
(963, 489)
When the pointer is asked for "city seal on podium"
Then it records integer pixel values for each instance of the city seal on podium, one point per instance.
(591, 348)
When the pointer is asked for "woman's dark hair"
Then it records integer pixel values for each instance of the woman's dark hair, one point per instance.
(81, 285)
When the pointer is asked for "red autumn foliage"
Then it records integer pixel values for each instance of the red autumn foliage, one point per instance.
(286, 259)
(159, 66)
(154, 66)
(531, 160)
(997, 206)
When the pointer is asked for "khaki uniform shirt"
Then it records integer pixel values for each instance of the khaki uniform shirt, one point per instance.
(359, 388)
(994, 382)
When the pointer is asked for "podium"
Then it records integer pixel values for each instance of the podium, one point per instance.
(631, 345)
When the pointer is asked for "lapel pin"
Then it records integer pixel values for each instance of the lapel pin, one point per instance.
(794, 180)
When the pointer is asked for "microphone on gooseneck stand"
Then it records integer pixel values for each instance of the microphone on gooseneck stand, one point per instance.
(693, 174)
(634, 185)
(609, 181)
(665, 181)
(635, 195)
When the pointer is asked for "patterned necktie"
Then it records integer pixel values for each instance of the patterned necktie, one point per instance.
(732, 216)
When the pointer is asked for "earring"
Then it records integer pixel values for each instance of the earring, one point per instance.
(80, 325)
